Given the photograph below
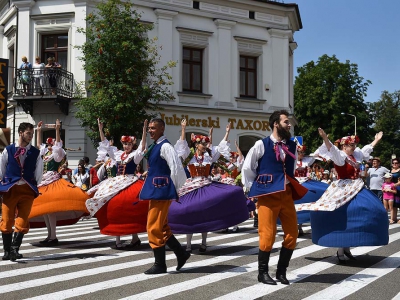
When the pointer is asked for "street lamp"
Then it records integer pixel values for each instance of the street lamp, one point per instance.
(355, 122)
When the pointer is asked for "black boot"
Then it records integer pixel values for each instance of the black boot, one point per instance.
(255, 220)
(263, 260)
(159, 264)
(283, 263)
(7, 238)
(16, 243)
(180, 253)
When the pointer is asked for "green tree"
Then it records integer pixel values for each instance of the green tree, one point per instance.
(322, 91)
(126, 83)
(386, 115)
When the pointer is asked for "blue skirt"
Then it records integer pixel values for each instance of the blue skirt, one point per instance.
(210, 208)
(315, 191)
(361, 222)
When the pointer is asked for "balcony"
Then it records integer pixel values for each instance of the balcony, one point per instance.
(49, 84)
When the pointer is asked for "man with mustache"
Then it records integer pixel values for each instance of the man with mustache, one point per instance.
(268, 172)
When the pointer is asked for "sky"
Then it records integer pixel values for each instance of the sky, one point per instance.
(365, 32)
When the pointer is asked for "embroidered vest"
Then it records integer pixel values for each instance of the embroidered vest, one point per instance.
(126, 168)
(271, 172)
(158, 184)
(15, 172)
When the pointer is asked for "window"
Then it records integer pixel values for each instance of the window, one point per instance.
(55, 45)
(192, 73)
(248, 76)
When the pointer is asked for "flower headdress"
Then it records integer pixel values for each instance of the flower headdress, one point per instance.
(301, 148)
(200, 139)
(50, 141)
(127, 139)
(234, 154)
(353, 139)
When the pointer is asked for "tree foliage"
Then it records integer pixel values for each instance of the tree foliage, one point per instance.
(386, 115)
(125, 83)
(322, 91)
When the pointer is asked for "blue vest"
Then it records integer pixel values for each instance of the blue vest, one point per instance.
(271, 172)
(14, 171)
(158, 184)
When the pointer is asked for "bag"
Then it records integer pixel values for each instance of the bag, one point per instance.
(24, 77)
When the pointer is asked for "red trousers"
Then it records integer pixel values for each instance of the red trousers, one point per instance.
(270, 207)
(158, 229)
(18, 198)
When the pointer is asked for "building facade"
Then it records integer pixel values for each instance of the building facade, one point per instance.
(234, 64)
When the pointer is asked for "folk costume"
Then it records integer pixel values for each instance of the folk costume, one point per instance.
(347, 214)
(268, 172)
(115, 201)
(60, 203)
(164, 178)
(205, 205)
(21, 169)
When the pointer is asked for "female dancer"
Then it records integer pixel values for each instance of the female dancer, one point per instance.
(60, 202)
(115, 203)
(205, 205)
(347, 215)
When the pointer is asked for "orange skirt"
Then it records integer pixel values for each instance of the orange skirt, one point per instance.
(61, 198)
(124, 214)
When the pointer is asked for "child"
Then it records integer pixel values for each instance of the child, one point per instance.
(389, 190)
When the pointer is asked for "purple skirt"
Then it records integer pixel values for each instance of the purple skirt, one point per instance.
(210, 208)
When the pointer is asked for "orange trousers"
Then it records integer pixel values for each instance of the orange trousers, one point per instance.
(19, 198)
(158, 229)
(270, 207)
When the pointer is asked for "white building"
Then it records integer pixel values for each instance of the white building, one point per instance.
(235, 63)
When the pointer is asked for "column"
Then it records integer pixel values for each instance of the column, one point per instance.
(225, 70)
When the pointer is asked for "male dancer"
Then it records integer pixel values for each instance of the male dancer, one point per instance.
(21, 169)
(268, 172)
(165, 176)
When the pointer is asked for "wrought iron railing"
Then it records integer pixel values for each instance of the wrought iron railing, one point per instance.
(44, 82)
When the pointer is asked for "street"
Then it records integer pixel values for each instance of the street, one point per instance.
(83, 265)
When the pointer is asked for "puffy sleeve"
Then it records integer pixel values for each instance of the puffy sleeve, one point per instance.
(366, 151)
(182, 149)
(333, 154)
(42, 149)
(178, 174)
(4, 162)
(58, 151)
(251, 163)
(104, 146)
(138, 154)
(239, 163)
(222, 149)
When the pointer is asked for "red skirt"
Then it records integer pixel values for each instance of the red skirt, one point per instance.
(124, 214)
(61, 198)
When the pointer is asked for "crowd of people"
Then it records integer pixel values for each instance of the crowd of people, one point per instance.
(193, 186)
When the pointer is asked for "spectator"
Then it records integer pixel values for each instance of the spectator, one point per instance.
(389, 189)
(80, 162)
(93, 178)
(66, 172)
(25, 78)
(52, 73)
(38, 75)
(139, 170)
(86, 162)
(325, 177)
(375, 174)
(333, 175)
(396, 180)
(81, 178)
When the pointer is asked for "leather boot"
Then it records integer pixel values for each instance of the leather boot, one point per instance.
(255, 225)
(7, 239)
(16, 243)
(283, 263)
(180, 253)
(159, 266)
(263, 260)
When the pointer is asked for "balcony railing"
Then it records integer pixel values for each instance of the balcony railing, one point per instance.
(43, 84)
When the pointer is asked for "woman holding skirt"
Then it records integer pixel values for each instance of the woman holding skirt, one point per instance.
(115, 202)
(205, 205)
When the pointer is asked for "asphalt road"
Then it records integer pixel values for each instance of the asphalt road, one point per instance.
(84, 266)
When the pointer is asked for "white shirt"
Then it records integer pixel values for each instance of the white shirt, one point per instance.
(250, 164)
(168, 153)
(38, 169)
